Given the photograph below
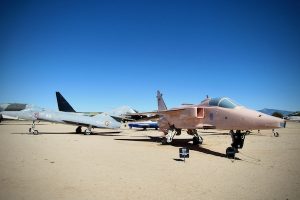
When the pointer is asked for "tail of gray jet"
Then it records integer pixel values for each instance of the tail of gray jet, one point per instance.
(63, 104)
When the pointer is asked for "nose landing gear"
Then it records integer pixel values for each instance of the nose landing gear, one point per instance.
(32, 130)
(238, 139)
(276, 134)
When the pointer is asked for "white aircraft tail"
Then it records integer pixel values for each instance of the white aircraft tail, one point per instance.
(160, 102)
(121, 111)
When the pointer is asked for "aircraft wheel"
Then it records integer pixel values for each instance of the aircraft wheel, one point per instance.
(87, 132)
(276, 134)
(29, 130)
(78, 129)
(164, 141)
(197, 140)
(35, 132)
(201, 140)
(230, 152)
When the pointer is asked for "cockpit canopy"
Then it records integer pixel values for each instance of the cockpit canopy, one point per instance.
(224, 102)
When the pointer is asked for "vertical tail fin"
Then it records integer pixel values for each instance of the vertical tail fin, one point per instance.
(62, 104)
(160, 102)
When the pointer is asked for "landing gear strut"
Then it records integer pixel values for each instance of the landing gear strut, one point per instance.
(276, 134)
(197, 139)
(238, 139)
(170, 135)
(32, 130)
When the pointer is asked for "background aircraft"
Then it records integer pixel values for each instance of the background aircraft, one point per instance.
(123, 113)
(144, 125)
(34, 114)
(213, 113)
(14, 107)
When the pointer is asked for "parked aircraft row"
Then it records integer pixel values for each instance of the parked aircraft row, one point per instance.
(212, 113)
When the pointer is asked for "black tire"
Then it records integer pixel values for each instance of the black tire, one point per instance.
(230, 152)
(164, 141)
(35, 132)
(86, 132)
(78, 129)
(276, 134)
(201, 140)
(196, 141)
(29, 130)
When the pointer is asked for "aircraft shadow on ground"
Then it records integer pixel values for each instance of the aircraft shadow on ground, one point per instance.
(212, 133)
(148, 129)
(180, 143)
(113, 133)
(216, 134)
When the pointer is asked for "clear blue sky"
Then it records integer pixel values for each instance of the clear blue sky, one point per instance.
(104, 54)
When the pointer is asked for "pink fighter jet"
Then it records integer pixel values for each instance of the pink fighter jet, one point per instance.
(214, 113)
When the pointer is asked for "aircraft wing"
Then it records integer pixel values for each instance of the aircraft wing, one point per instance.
(100, 121)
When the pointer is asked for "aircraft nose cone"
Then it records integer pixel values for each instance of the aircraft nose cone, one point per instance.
(275, 122)
(264, 121)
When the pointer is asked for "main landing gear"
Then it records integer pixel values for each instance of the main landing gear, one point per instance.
(32, 130)
(170, 135)
(238, 139)
(88, 131)
(197, 139)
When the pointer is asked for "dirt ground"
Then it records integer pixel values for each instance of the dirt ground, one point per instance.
(132, 164)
